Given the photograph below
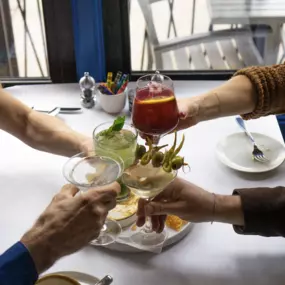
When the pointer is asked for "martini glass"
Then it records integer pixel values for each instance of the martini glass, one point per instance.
(93, 171)
(147, 182)
(155, 111)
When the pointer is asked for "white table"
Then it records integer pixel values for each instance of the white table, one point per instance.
(249, 12)
(210, 254)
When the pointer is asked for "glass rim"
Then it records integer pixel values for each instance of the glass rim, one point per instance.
(141, 79)
(111, 122)
(174, 172)
(84, 156)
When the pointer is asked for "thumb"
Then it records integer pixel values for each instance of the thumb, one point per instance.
(159, 208)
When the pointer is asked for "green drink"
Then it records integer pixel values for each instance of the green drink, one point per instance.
(122, 142)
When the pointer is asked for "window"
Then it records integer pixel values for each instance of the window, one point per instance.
(36, 41)
(201, 39)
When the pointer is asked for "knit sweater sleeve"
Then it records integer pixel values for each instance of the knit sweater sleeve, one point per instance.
(269, 83)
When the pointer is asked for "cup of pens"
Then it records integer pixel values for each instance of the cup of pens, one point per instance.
(113, 93)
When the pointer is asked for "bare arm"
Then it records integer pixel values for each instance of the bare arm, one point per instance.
(38, 130)
(253, 92)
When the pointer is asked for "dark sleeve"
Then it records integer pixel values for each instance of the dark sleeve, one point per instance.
(17, 266)
(264, 211)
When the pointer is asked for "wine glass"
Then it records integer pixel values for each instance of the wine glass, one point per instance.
(147, 181)
(123, 143)
(155, 111)
(92, 171)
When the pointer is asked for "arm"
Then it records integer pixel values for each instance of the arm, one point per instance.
(17, 266)
(38, 130)
(253, 92)
(257, 211)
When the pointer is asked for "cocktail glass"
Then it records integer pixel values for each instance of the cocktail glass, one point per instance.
(155, 111)
(92, 171)
(123, 143)
(147, 182)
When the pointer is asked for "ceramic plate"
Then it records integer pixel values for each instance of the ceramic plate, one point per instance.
(235, 151)
(82, 278)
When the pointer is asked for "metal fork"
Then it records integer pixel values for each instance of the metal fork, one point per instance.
(257, 154)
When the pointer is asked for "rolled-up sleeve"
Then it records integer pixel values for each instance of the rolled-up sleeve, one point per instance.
(264, 211)
(17, 266)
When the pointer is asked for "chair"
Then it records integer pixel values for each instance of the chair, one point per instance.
(220, 50)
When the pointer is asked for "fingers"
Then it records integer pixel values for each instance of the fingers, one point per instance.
(67, 191)
(163, 208)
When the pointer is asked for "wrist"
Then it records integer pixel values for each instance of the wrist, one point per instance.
(209, 106)
(228, 209)
(40, 250)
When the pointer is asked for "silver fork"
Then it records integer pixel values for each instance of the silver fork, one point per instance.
(257, 154)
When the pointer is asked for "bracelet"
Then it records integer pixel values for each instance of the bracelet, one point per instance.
(214, 208)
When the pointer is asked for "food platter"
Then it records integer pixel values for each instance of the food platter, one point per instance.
(172, 238)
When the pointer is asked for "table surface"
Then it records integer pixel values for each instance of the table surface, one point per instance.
(224, 11)
(210, 254)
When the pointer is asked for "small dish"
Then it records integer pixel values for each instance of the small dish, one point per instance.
(113, 104)
(79, 277)
(235, 151)
(58, 279)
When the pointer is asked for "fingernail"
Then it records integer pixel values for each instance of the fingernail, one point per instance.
(182, 115)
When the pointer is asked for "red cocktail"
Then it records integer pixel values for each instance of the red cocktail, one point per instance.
(155, 111)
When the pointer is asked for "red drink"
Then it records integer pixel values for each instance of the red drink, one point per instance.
(155, 111)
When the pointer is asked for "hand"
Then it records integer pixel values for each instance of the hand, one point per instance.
(191, 203)
(180, 198)
(69, 223)
(188, 109)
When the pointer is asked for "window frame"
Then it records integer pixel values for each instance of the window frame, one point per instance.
(60, 46)
(118, 57)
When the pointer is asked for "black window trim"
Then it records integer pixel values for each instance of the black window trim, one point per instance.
(60, 46)
(118, 50)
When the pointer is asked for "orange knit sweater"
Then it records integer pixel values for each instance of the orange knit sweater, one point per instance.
(269, 82)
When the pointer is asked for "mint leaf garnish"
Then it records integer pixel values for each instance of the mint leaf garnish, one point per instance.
(118, 124)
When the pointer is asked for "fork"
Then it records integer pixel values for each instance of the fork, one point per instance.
(257, 154)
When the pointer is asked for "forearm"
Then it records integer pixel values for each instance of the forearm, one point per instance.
(50, 134)
(38, 130)
(17, 266)
(236, 96)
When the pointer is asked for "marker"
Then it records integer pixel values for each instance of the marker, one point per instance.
(122, 81)
(109, 79)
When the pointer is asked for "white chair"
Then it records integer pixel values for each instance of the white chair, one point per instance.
(220, 50)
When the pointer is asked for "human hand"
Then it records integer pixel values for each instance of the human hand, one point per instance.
(188, 109)
(180, 198)
(69, 223)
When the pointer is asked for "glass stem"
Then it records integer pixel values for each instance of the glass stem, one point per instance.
(148, 224)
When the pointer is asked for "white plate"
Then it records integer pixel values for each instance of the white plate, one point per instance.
(172, 238)
(82, 278)
(235, 151)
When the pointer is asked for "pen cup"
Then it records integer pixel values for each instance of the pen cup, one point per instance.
(113, 104)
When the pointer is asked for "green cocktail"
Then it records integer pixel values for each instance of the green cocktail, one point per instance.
(121, 141)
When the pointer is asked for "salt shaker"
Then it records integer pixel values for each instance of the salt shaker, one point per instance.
(87, 86)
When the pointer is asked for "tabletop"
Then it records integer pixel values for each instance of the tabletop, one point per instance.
(246, 11)
(209, 254)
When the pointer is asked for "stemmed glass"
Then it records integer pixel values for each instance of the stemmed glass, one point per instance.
(147, 182)
(91, 170)
(155, 111)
